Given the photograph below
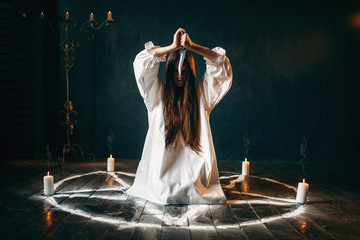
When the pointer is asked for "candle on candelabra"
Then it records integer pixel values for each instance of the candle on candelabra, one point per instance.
(302, 191)
(110, 163)
(92, 17)
(42, 15)
(245, 168)
(109, 17)
(67, 16)
(48, 184)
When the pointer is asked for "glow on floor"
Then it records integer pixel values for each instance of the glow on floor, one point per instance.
(106, 203)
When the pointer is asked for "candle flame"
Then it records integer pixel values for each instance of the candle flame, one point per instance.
(245, 159)
(303, 180)
(110, 155)
(109, 11)
(48, 173)
(303, 227)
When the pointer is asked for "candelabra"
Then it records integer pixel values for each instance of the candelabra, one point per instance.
(67, 44)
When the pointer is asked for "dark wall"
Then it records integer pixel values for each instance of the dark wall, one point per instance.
(21, 109)
(295, 70)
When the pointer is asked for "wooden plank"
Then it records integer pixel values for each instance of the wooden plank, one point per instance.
(228, 227)
(59, 216)
(95, 206)
(243, 213)
(129, 213)
(266, 210)
(153, 209)
(205, 233)
(201, 223)
(34, 229)
(66, 228)
(175, 233)
(223, 215)
(174, 215)
(333, 222)
(149, 227)
(225, 222)
(308, 228)
(102, 221)
(108, 213)
(257, 231)
(282, 229)
(79, 190)
(132, 209)
(318, 216)
(331, 194)
(231, 233)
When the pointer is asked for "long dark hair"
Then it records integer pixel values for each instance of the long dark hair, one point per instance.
(181, 104)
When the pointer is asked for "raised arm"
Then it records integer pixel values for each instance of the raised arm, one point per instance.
(203, 51)
(217, 78)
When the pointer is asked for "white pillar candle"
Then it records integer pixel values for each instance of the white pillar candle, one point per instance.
(48, 184)
(245, 168)
(110, 163)
(302, 191)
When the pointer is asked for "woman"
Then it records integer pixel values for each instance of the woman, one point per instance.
(178, 163)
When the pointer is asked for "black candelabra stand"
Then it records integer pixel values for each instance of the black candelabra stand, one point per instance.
(67, 44)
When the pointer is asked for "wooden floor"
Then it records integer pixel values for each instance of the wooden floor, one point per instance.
(90, 203)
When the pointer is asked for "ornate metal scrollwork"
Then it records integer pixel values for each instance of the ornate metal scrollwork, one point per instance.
(68, 44)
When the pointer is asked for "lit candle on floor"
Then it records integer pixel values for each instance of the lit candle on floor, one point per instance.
(48, 184)
(92, 17)
(245, 167)
(110, 163)
(302, 191)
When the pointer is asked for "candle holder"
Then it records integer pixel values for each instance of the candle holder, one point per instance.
(68, 44)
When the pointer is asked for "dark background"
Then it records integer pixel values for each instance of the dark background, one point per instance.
(296, 76)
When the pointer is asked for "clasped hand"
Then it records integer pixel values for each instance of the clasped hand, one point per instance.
(182, 39)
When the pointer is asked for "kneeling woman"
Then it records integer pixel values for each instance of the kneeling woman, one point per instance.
(178, 163)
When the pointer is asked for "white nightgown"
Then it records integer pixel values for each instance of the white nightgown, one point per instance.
(179, 176)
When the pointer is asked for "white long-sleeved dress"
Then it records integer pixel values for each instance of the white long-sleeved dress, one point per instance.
(179, 176)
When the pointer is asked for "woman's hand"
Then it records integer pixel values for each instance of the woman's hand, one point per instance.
(177, 39)
(186, 41)
(162, 51)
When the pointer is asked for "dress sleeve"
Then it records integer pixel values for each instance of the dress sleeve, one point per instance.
(146, 68)
(217, 79)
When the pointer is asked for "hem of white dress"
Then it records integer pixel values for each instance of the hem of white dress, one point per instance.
(215, 201)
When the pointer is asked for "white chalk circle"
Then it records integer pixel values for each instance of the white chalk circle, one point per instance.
(109, 202)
